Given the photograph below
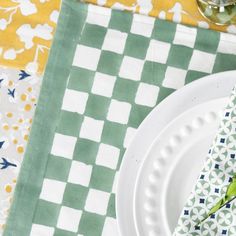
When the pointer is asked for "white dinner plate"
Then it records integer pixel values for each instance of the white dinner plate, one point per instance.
(201, 91)
(171, 168)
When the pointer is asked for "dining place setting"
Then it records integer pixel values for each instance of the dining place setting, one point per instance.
(117, 118)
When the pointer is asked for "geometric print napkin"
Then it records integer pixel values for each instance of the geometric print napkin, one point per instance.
(216, 184)
(107, 70)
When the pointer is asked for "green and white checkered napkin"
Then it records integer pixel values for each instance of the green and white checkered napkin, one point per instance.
(107, 70)
(211, 207)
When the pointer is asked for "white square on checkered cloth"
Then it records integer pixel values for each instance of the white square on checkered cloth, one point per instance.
(63, 145)
(52, 191)
(158, 51)
(74, 101)
(103, 84)
(147, 95)
(69, 219)
(80, 173)
(91, 129)
(227, 44)
(185, 36)
(86, 57)
(98, 15)
(142, 25)
(114, 41)
(131, 68)
(129, 135)
(119, 111)
(174, 78)
(110, 227)
(97, 201)
(202, 61)
(108, 156)
(41, 230)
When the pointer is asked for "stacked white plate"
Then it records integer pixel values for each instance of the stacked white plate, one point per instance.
(162, 163)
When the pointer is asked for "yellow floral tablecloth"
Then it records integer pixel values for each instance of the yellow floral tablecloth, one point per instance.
(27, 26)
(26, 32)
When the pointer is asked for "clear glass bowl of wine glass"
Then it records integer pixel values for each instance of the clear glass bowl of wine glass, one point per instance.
(221, 12)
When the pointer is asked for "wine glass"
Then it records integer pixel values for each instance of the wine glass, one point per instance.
(221, 12)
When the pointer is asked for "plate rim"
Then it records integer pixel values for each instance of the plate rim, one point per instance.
(152, 147)
(190, 92)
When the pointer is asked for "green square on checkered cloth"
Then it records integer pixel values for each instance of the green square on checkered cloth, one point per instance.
(106, 72)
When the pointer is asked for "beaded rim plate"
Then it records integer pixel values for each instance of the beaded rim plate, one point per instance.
(171, 167)
(203, 90)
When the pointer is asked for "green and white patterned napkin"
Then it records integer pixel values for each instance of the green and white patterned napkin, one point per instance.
(211, 207)
(106, 72)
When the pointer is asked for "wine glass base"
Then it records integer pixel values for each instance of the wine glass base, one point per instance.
(224, 15)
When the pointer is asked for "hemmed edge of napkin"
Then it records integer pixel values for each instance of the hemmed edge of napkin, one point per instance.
(47, 113)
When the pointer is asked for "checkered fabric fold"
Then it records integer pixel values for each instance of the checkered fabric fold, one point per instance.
(107, 70)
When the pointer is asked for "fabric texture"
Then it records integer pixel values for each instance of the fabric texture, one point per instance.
(18, 93)
(210, 209)
(99, 85)
(26, 32)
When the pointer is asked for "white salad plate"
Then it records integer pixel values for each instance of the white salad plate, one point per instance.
(162, 162)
